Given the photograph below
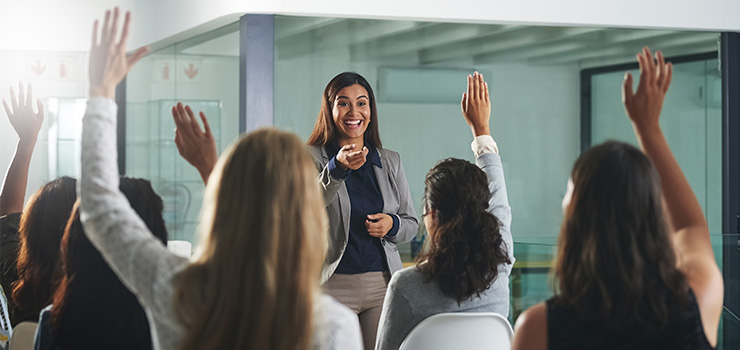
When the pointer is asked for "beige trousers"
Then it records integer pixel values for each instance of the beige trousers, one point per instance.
(362, 293)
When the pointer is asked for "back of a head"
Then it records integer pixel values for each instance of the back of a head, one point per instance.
(41, 228)
(263, 238)
(466, 248)
(92, 308)
(615, 259)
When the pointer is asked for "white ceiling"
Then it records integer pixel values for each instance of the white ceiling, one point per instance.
(428, 43)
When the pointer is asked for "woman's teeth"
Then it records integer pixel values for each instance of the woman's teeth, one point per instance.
(352, 122)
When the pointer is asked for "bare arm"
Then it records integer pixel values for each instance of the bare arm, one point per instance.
(26, 124)
(689, 230)
(530, 332)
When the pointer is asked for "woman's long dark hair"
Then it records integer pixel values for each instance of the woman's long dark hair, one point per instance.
(325, 130)
(466, 248)
(92, 308)
(41, 228)
(615, 261)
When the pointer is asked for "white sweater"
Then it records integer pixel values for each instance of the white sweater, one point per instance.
(144, 265)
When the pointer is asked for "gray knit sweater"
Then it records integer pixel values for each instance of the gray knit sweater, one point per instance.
(410, 299)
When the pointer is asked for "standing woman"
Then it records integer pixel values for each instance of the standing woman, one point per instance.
(367, 198)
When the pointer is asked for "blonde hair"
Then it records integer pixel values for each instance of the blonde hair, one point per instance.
(263, 231)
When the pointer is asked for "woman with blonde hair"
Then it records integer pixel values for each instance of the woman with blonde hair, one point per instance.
(253, 282)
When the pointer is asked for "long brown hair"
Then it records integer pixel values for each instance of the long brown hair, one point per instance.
(263, 238)
(41, 229)
(325, 130)
(615, 260)
(467, 248)
(92, 308)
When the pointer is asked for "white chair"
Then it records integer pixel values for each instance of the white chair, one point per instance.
(23, 337)
(458, 330)
(180, 248)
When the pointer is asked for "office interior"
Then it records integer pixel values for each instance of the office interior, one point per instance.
(555, 91)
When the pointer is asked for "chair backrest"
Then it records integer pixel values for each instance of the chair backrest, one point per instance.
(23, 337)
(458, 330)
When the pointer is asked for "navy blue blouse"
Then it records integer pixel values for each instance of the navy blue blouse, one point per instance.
(364, 252)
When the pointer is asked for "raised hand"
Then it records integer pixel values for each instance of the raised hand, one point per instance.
(27, 125)
(379, 224)
(349, 158)
(476, 105)
(196, 146)
(643, 106)
(108, 61)
(24, 120)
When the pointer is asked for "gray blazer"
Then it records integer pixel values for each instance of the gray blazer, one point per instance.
(396, 201)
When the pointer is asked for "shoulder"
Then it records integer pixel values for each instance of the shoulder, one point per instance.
(406, 277)
(391, 159)
(390, 154)
(318, 154)
(531, 329)
(315, 151)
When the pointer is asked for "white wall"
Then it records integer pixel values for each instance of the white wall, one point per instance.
(49, 84)
(65, 25)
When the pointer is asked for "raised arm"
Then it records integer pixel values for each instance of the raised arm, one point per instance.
(689, 229)
(476, 108)
(196, 146)
(140, 260)
(26, 124)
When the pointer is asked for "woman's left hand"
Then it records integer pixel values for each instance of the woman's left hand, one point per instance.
(379, 224)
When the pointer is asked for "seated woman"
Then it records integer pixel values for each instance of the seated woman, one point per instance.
(629, 276)
(253, 281)
(470, 251)
(92, 309)
(40, 234)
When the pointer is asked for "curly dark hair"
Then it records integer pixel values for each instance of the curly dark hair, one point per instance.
(466, 247)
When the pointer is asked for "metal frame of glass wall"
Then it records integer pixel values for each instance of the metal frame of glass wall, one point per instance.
(730, 67)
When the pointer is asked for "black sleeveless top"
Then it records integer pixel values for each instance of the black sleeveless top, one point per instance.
(565, 330)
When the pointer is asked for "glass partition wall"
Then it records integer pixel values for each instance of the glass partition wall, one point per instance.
(201, 72)
(539, 91)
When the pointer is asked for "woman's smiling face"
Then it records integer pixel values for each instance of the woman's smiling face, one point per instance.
(351, 112)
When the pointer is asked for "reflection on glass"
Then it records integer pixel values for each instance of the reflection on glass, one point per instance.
(201, 72)
(691, 121)
(65, 130)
